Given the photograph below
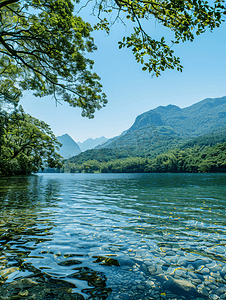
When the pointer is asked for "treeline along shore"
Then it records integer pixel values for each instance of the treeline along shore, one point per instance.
(193, 157)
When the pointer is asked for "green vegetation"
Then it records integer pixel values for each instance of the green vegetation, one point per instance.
(205, 153)
(43, 43)
(195, 159)
(217, 136)
(197, 119)
(43, 46)
(27, 144)
(185, 19)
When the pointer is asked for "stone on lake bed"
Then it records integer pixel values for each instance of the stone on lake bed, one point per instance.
(204, 291)
(140, 287)
(180, 287)
(203, 270)
(215, 275)
(124, 296)
(148, 263)
(152, 269)
(151, 283)
(214, 296)
(196, 281)
(6, 272)
(27, 282)
(23, 293)
(170, 253)
(186, 285)
(219, 249)
(224, 270)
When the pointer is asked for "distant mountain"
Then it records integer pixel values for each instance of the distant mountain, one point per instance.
(165, 125)
(69, 148)
(91, 143)
(161, 130)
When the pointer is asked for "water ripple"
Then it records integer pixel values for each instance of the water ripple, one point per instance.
(113, 236)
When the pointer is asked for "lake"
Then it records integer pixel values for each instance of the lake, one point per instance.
(113, 236)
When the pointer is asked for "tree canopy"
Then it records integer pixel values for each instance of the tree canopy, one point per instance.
(26, 144)
(44, 44)
(42, 49)
(185, 18)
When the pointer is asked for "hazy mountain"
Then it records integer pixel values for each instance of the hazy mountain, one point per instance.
(69, 148)
(91, 143)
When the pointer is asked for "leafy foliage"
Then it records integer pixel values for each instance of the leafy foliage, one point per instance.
(195, 159)
(42, 48)
(185, 18)
(209, 159)
(205, 153)
(26, 144)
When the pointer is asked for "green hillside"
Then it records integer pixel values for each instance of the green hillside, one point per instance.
(205, 153)
(172, 122)
(194, 159)
(159, 136)
(197, 119)
(210, 139)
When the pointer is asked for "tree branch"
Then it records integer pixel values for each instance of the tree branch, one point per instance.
(7, 2)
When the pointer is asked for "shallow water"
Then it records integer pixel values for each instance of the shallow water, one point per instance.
(113, 236)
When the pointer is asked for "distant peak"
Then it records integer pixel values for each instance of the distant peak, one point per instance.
(64, 135)
(169, 107)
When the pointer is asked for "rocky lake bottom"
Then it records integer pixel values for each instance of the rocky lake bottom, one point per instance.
(113, 236)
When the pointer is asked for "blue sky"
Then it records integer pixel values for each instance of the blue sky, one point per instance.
(131, 91)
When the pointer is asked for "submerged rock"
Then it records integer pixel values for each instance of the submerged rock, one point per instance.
(38, 288)
(180, 287)
(6, 272)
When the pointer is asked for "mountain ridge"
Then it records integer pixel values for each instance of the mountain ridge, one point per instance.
(172, 121)
(91, 143)
(69, 147)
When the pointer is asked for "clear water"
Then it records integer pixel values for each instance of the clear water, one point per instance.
(113, 236)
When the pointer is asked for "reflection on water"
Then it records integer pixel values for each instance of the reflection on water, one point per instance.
(113, 236)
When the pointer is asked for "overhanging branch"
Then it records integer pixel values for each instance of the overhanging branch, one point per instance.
(7, 2)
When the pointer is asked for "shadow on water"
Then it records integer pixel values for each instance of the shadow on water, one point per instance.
(27, 206)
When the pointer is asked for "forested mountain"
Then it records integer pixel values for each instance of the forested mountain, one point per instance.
(171, 124)
(91, 143)
(69, 146)
(205, 153)
(166, 139)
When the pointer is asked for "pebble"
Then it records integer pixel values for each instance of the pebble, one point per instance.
(148, 276)
(6, 272)
(212, 286)
(196, 281)
(151, 283)
(219, 250)
(141, 287)
(170, 253)
(216, 268)
(214, 297)
(148, 262)
(23, 293)
(215, 275)
(204, 271)
(152, 270)
(204, 291)
(224, 270)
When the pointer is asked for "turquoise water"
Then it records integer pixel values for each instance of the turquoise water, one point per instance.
(113, 236)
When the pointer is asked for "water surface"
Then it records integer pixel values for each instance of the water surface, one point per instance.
(113, 236)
